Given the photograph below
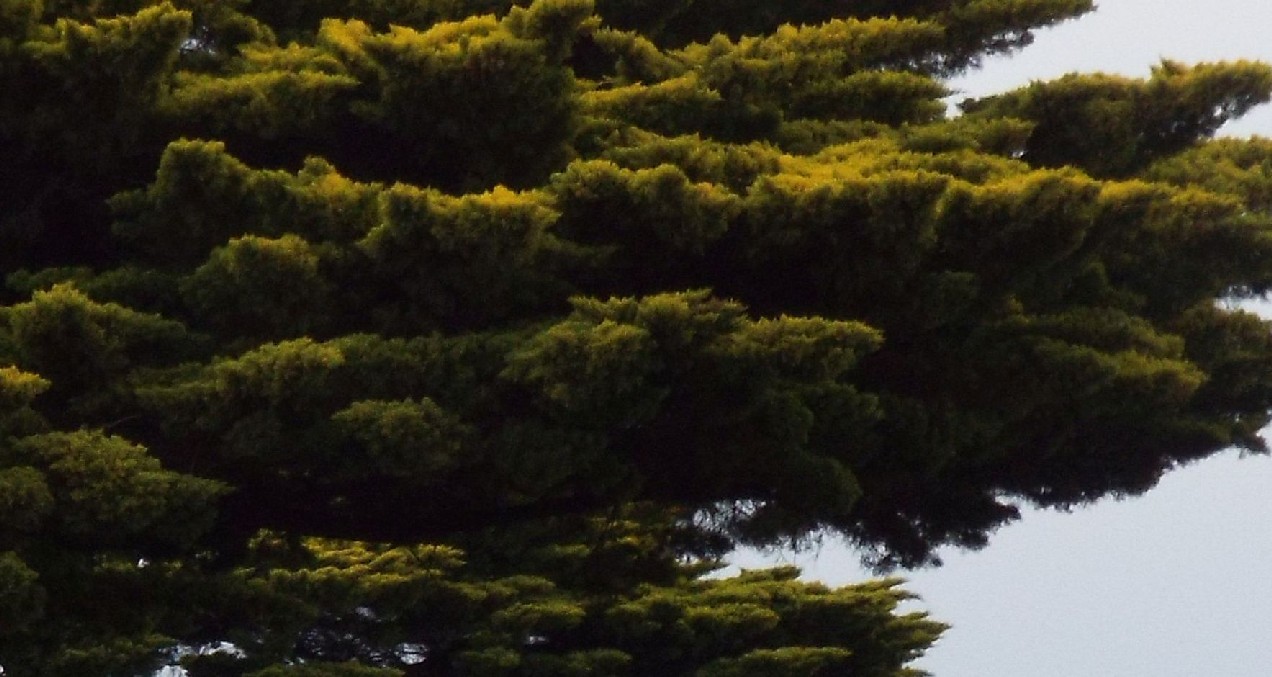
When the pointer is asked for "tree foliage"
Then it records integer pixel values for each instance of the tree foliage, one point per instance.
(419, 337)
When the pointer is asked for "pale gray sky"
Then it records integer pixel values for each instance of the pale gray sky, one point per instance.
(1130, 36)
(1171, 584)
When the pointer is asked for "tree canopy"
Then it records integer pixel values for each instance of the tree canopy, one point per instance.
(442, 337)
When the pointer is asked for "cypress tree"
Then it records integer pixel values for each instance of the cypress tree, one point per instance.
(411, 337)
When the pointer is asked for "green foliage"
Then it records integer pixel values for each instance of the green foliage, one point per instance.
(259, 287)
(774, 662)
(1111, 126)
(22, 599)
(405, 437)
(464, 337)
(350, 669)
(106, 489)
(467, 103)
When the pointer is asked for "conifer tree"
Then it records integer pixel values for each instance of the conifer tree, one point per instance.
(423, 337)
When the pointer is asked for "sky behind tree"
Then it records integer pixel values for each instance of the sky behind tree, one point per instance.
(1169, 584)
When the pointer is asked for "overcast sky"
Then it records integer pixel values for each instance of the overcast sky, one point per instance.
(1171, 584)
(1130, 36)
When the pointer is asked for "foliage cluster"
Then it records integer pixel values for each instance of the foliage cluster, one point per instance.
(431, 337)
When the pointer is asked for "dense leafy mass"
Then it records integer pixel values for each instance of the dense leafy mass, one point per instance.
(430, 337)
